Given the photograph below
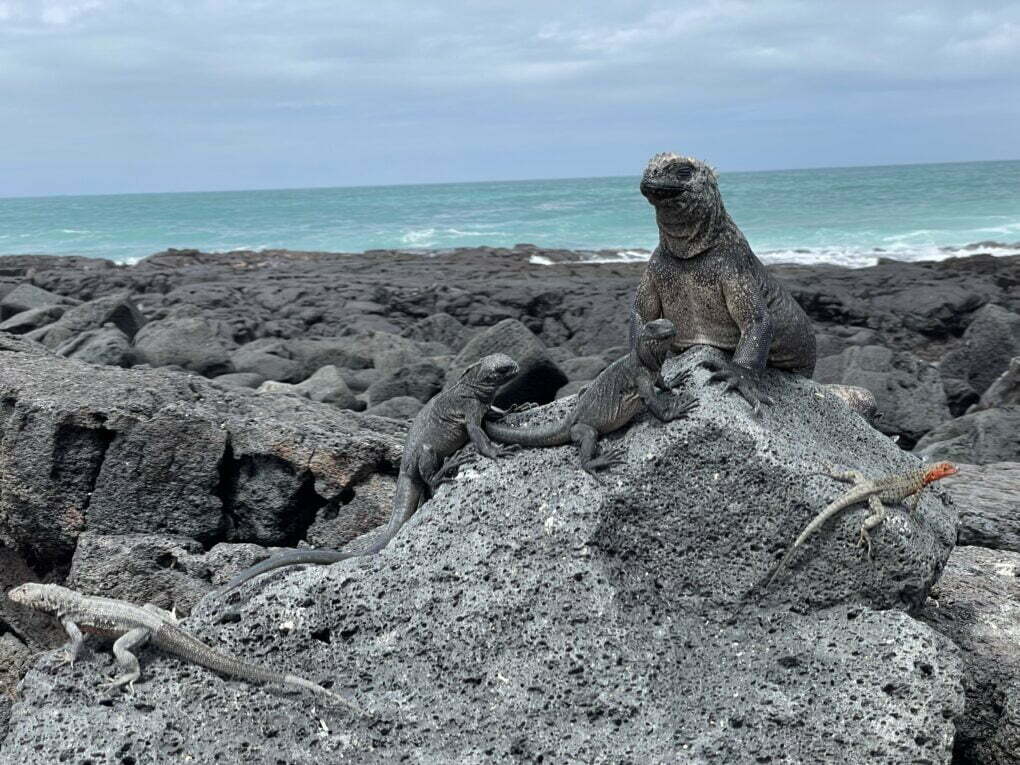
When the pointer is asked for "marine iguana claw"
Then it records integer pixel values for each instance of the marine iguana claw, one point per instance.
(740, 379)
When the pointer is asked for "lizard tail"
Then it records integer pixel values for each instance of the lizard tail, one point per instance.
(549, 434)
(409, 495)
(294, 681)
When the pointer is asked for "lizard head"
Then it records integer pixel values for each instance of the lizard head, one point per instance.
(491, 372)
(685, 194)
(44, 597)
(939, 470)
(655, 341)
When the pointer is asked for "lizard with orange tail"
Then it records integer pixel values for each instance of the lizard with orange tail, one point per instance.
(899, 487)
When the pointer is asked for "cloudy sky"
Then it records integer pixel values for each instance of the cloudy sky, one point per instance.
(102, 96)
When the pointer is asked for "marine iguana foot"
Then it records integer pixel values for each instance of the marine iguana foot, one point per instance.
(495, 414)
(683, 407)
(681, 379)
(609, 458)
(740, 379)
(865, 541)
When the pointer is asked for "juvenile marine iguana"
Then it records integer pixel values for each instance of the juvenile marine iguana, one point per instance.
(891, 488)
(704, 278)
(614, 398)
(133, 626)
(444, 425)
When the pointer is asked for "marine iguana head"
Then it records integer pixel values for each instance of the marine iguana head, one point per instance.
(43, 597)
(488, 374)
(688, 206)
(655, 342)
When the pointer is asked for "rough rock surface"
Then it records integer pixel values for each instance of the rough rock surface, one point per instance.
(107, 346)
(25, 297)
(530, 612)
(539, 378)
(990, 341)
(1004, 390)
(990, 435)
(977, 605)
(399, 408)
(421, 381)
(908, 391)
(988, 497)
(116, 451)
(191, 342)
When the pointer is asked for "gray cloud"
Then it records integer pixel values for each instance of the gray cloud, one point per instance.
(107, 95)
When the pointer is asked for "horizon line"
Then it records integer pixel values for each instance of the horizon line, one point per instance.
(485, 182)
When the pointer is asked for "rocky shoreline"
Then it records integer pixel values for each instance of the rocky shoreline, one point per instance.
(163, 423)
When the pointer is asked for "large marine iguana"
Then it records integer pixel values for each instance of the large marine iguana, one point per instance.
(446, 423)
(704, 278)
(620, 392)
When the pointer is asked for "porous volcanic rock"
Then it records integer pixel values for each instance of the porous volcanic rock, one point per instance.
(908, 391)
(539, 378)
(977, 605)
(988, 497)
(531, 612)
(987, 435)
(117, 451)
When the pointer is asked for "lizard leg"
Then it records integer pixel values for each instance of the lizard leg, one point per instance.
(847, 476)
(912, 502)
(73, 648)
(878, 514)
(586, 438)
(740, 379)
(170, 616)
(126, 660)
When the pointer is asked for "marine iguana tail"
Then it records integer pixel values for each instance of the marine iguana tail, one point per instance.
(621, 392)
(445, 424)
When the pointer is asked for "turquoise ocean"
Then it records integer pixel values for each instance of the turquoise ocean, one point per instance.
(849, 216)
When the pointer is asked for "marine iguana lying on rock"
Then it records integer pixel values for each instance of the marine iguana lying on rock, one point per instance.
(614, 398)
(444, 425)
(704, 278)
(133, 626)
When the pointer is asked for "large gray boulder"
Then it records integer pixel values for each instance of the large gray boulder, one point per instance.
(32, 319)
(988, 497)
(27, 296)
(118, 451)
(118, 310)
(1004, 390)
(989, 342)
(531, 612)
(909, 391)
(107, 346)
(422, 381)
(977, 605)
(439, 328)
(191, 342)
(989, 435)
(540, 377)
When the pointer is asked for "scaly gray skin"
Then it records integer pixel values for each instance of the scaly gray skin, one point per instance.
(704, 278)
(444, 425)
(621, 392)
(133, 627)
(898, 487)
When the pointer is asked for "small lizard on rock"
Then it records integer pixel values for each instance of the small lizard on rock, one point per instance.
(133, 626)
(900, 487)
(446, 423)
(614, 398)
